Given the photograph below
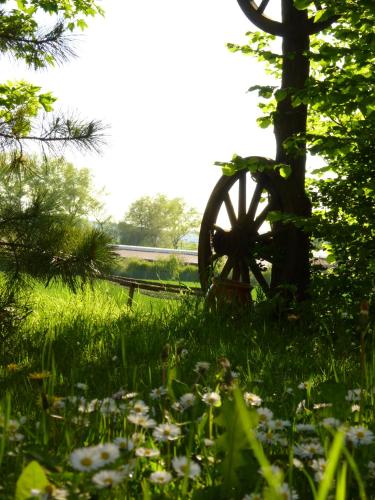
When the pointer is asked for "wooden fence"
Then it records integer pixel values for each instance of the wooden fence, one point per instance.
(151, 286)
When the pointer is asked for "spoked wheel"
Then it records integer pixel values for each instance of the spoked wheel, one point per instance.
(235, 240)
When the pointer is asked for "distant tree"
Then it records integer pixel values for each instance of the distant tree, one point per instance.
(158, 221)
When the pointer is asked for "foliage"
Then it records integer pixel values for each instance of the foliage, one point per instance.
(340, 96)
(163, 269)
(158, 221)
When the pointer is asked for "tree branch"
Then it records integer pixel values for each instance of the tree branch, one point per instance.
(314, 28)
(254, 14)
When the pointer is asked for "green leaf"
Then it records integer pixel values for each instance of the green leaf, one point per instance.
(302, 4)
(284, 170)
(32, 479)
(47, 100)
(281, 94)
(321, 15)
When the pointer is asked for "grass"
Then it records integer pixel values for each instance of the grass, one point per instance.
(257, 420)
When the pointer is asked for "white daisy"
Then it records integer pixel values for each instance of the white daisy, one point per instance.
(252, 399)
(319, 466)
(124, 443)
(278, 424)
(286, 493)
(305, 428)
(107, 453)
(212, 399)
(166, 432)
(158, 393)
(108, 406)
(185, 467)
(147, 452)
(141, 420)
(202, 367)
(331, 422)
(85, 459)
(265, 415)
(187, 400)
(359, 435)
(353, 395)
(309, 449)
(371, 469)
(82, 386)
(140, 408)
(160, 477)
(107, 478)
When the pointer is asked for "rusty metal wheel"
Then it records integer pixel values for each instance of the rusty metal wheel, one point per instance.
(234, 230)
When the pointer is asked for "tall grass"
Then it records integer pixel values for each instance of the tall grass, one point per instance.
(304, 370)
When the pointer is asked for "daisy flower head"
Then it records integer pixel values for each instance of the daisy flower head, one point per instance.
(185, 467)
(265, 415)
(187, 400)
(371, 469)
(147, 452)
(166, 432)
(319, 465)
(286, 493)
(140, 408)
(278, 424)
(160, 477)
(331, 422)
(124, 443)
(303, 386)
(108, 406)
(305, 428)
(309, 449)
(85, 459)
(212, 399)
(202, 367)
(107, 478)
(359, 435)
(158, 392)
(107, 453)
(141, 420)
(252, 399)
(81, 386)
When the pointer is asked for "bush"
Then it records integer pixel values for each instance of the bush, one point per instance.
(166, 269)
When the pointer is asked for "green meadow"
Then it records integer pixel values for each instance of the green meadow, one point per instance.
(172, 400)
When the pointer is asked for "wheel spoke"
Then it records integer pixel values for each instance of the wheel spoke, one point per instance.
(236, 271)
(228, 266)
(254, 202)
(259, 276)
(263, 4)
(265, 237)
(242, 194)
(245, 274)
(230, 210)
(262, 217)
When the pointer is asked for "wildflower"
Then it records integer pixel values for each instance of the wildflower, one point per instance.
(140, 408)
(274, 469)
(208, 442)
(185, 467)
(271, 437)
(252, 399)
(160, 477)
(303, 385)
(85, 459)
(177, 406)
(82, 386)
(308, 449)
(278, 424)
(147, 452)
(355, 408)
(166, 432)
(107, 453)
(184, 353)
(305, 428)
(39, 376)
(331, 422)
(359, 435)
(212, 399)
(107, 478)
(158, 393)
(13, 367)
(319, 466)
(286, 493)
(353, 395)
(124, 443)
(187, 400)
(301, 407)
(142, 420)
(289, 390)
(265, 415)
(17, 437)
(319, 406)
(202, 367)
(137, 438)
(108, 406)
(13, 425)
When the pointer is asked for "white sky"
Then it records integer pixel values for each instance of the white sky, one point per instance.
(159, 74)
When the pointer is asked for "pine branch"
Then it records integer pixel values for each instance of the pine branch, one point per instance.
(39, 47)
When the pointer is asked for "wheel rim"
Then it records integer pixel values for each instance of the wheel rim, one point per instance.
(234, 230)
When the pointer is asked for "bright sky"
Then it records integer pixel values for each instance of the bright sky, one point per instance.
(175, 98)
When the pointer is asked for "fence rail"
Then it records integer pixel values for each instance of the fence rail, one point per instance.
(151, 286)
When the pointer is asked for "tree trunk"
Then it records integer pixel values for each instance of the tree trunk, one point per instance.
(291, 266)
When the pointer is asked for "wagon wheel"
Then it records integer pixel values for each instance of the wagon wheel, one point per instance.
(245, 244)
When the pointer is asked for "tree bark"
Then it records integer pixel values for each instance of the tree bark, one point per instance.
(292, 266)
